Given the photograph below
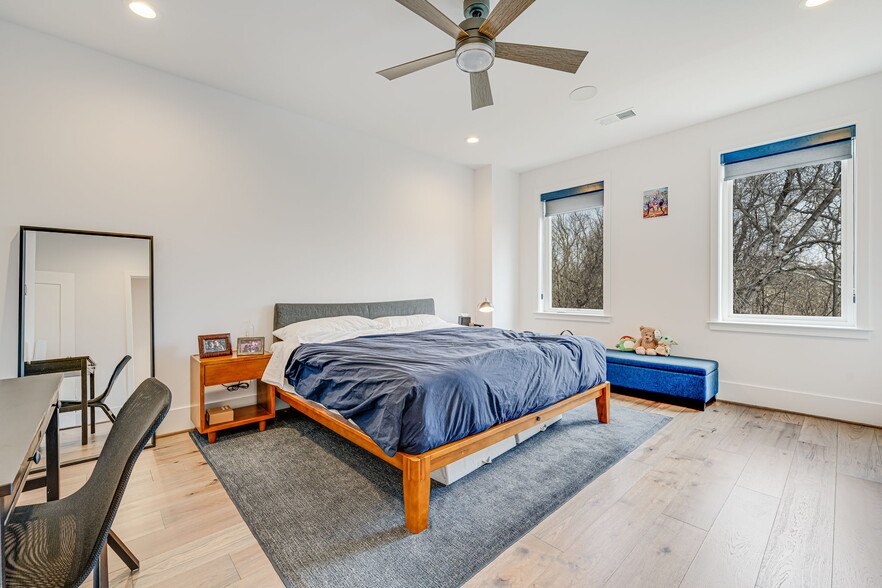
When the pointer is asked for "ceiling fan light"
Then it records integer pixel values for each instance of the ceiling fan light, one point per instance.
(474, 57)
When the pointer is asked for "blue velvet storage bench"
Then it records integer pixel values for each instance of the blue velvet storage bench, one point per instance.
(675, 380)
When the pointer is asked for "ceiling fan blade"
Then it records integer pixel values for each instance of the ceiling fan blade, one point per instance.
(396, 72)
(481, 94)
(501, 16)
(567, 60)
(426, 10)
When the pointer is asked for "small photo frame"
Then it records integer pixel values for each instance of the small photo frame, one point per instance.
(655, 203)
(215, 345)
(249, 345)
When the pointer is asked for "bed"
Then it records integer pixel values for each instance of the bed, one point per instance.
(417, 466)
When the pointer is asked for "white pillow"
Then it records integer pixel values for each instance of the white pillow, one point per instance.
(333, 324)
(410, 321)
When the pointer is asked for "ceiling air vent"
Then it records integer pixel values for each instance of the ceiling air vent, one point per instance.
(616, 117)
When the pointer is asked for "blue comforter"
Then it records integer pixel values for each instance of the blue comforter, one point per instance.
(416, 391)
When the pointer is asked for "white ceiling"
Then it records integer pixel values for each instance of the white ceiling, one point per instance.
(676, 63)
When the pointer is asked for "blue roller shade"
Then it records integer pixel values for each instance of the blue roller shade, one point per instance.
(835, 145)
(572, 199)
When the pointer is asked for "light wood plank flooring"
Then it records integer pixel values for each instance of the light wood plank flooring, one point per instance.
(734, 496)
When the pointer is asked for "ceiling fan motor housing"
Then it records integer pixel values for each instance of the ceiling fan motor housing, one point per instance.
(474, 53)
(475, 9)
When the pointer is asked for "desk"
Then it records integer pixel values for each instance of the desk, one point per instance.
(82, 366)
(28, 412)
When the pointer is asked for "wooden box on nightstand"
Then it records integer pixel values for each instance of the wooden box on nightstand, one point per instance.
(214, 371)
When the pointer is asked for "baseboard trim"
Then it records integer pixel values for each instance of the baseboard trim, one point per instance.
(173, 433)
(176, 421)
(840, 409)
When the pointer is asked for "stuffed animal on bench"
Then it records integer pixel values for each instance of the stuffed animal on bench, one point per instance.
(626, 343)
(664, 345)
(648, 341)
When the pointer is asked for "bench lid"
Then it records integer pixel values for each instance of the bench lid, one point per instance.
(684, 365)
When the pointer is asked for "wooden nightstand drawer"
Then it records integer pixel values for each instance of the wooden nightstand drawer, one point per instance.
(226, 373)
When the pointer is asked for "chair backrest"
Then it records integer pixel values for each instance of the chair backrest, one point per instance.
(116, 372)
(135, 425)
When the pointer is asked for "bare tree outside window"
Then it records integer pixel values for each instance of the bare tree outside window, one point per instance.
(787, 242)
(577, 259)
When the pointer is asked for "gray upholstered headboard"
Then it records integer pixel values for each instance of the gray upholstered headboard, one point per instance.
(285, 314)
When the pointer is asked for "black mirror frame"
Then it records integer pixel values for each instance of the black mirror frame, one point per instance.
(21, 308)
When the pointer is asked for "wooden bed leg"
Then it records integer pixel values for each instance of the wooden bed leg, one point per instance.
(417, 488)
(603, 402)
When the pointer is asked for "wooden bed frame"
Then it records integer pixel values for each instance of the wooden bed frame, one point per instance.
(417, 468)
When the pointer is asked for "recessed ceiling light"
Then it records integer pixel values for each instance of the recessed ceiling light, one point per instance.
(583, 93)
(142, 9)
(812, 3)
(472, 140)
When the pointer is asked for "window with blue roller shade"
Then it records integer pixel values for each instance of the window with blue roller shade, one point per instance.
(574, 249)
(814, 149)
(789, 255)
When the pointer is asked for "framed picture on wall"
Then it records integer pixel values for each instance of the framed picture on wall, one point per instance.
(249, 346)
(655, 203)
(215, 345)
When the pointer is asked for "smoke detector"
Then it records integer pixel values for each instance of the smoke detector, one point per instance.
(616, 117)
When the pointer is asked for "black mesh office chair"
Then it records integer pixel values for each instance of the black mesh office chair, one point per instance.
(59, 543)
(98, 401)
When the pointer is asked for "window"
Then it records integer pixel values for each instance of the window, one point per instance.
(574, 250)
(788, 231)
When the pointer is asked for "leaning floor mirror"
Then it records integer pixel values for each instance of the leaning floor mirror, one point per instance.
(86, 310)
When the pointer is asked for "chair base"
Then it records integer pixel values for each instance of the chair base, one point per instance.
(122, 551)
(101, 573)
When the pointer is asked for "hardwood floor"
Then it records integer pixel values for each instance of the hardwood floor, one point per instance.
(734, 496)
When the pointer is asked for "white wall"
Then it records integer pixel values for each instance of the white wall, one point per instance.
(483, 220)
(496, 245)
(661, 269)
(506, 248)
(250, 205)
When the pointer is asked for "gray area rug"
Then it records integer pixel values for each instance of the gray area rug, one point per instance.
(328, 513)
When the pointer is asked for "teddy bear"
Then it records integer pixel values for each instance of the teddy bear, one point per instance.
(648, 341)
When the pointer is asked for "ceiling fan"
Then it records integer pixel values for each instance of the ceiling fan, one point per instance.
(476, 45)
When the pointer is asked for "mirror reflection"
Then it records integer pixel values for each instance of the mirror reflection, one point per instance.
(86, 312)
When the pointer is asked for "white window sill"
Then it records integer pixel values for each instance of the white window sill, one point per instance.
(573, 316)
(783, 329)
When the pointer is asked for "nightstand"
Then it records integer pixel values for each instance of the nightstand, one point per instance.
(214, 371)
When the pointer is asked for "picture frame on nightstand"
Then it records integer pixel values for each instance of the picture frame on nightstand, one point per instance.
(249, 345)
(215, 345)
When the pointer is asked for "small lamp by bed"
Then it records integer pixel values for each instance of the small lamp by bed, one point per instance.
(485, 306)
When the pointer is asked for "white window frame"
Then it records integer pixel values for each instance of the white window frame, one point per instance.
(545, 310)
(853, 290)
